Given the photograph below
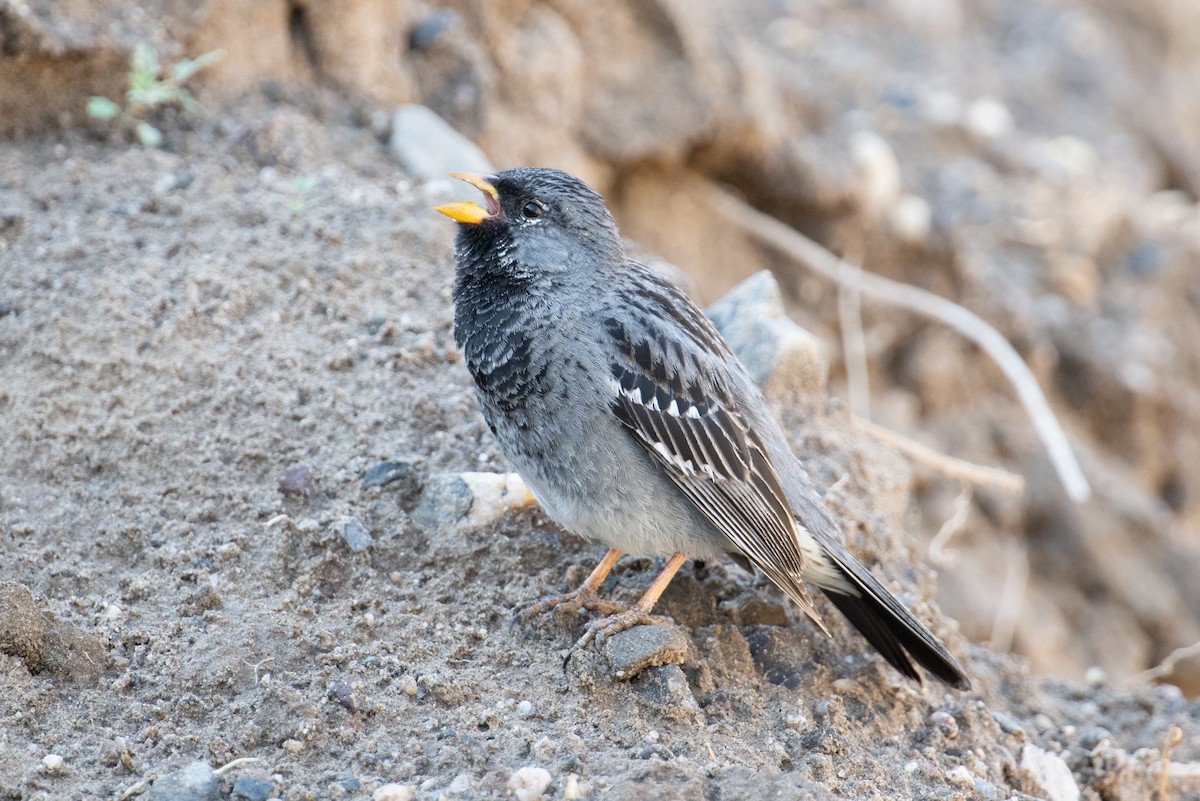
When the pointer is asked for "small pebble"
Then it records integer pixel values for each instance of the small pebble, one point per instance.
(394, 792)
(1095, 676)
(911, 219)
(297, 480)
(355, 535)
(571, 790)
(988, 118)
(877, 170)
(52, 763)
(960, 776)
(529, 783)
(194, 782)
(461, 783)
(386, 472)
(253, 788)
(1008, 724)
(340, 691)
(292, 746)
(524, 709)
(408, 685)
(945, 723)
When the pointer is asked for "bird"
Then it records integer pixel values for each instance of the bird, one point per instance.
(633, 423)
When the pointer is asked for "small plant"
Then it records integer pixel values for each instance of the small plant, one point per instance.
(300, 196)
(150, 89)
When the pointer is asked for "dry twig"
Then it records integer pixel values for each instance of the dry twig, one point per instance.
(1012, 596)
(1166, 667)
(979, 475)
(957, 521)
(970, 325)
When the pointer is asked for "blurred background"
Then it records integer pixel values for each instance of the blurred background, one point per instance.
(1037, 162)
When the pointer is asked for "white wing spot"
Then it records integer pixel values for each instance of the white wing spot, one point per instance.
(685, 465)
(673, 409)
(692, 412)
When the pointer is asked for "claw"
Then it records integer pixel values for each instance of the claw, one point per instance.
(567, 604)
(601, 629)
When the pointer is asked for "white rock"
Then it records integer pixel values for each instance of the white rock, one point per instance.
(942, 108)
(494, 495)
(1046, 775)
(572, 791)
(988, 118)
(394, 792)
(528, 783)
(427, 147)
(960, 776)
(52, 763)
(878, 171)
(911, 219)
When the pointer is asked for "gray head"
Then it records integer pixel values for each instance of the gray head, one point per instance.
(536, 221)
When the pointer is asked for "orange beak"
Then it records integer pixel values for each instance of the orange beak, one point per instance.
(468, 212)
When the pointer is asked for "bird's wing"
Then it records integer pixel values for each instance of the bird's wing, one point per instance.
(674, 389)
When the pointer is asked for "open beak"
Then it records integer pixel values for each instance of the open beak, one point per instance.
(473, 213)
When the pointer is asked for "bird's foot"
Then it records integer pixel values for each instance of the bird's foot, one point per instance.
(568, 604)
(602, 628)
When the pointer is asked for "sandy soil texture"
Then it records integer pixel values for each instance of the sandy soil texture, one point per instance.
(180, 330)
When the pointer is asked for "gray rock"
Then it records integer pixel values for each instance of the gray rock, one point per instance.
(427, 147)
(631, 651)
(194, 782)
(666, 688)
(446, 501)
(779, 655)
(355, 535)
(253, 788)
(1008, 724)
(780, 355)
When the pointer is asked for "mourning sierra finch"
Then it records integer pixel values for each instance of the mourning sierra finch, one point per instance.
(632, 421)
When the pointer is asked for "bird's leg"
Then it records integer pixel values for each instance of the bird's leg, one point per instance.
(636, 615)
(584, 597)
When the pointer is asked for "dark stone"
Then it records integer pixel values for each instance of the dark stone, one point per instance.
(340, 691)
(253, 788)
(404, 473)
(428, 31)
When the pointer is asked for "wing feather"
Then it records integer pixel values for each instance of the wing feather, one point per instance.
(672, 391)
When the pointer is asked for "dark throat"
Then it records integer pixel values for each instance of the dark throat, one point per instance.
(497, 323)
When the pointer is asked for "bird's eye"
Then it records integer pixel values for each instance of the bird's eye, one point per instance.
(532, 210)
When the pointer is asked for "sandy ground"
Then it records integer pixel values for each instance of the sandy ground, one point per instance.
(178, 330)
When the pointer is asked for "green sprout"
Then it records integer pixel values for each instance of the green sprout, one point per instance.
(300, 195)
(150, 89)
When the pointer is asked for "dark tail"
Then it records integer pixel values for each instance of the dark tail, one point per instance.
(893, 630)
